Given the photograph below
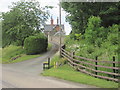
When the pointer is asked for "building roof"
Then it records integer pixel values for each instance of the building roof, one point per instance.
(50, 27)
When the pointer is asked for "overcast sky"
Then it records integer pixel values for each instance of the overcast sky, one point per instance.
(53, 12)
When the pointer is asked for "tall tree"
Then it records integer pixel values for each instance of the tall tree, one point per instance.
(23, 20)
(79, 12)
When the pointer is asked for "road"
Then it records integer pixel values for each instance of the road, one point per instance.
(26, 74)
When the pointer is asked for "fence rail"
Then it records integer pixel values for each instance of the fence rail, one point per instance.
(86, 65)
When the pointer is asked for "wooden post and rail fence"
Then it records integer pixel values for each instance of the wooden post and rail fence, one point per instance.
(109, 71)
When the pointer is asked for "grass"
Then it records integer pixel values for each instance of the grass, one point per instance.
(68, 73)
(17, 52)
(49, 46)
(12, 52)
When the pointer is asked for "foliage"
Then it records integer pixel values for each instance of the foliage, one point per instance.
(13, 51)
(77, 36)
(24, 19)
(105, 48)
(94, 33)
(113, 34)
(98, 42)
(79, 12)
(49, 46)
(35, 44)
(98, 23)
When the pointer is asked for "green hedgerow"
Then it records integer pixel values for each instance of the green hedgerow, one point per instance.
(35, 44)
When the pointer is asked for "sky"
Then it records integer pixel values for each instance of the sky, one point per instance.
(53, 12)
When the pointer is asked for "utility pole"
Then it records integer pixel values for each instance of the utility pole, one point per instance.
(60, 13)
(60, 25)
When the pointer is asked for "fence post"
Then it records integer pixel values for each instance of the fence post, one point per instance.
(96, 58)
(73, 53)
(63, 47)
(48, 63)
(114, 65)
(43, 66)
(60, 52)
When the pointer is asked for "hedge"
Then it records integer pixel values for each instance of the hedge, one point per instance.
(35, 44)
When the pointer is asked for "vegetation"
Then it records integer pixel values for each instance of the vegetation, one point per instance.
(49, 46)
(35, 44)
(96, 37)
(68, 73)
(13, 54)
(24, 19)
(95, 28)
(96, 42)
(79, 12)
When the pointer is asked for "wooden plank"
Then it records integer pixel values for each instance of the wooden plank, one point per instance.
(93, 69)
(66, 54)
(93, 64)
(65, 51)
(92, 59)
(96, 65)
(98, 70)
(97, 60)
(97, 75)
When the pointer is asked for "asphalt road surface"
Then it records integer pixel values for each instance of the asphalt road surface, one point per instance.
(26, 74)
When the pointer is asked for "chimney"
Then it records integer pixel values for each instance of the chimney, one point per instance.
(51, 20)
(57, 21)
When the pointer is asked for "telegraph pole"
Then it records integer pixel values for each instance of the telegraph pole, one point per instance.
(60, 26)
(60, 13)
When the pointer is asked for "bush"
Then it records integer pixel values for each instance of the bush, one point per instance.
(35, 44)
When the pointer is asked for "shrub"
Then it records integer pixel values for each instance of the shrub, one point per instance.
(35, 44)
(90, 49)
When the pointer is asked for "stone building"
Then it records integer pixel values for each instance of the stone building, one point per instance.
(53, 29)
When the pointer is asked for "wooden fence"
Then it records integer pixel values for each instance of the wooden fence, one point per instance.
(91, 66)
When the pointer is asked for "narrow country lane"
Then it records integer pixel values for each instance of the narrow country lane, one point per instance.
(26, 74)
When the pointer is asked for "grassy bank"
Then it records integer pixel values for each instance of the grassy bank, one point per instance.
(68, 73)
(13, 54)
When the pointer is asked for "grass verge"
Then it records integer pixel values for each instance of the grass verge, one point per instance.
(14, 54)
(68, 73)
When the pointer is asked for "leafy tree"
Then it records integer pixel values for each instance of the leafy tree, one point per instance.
(24, 19)
(95, 33)
(93, 29)
(79, 12)
(112, 36)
